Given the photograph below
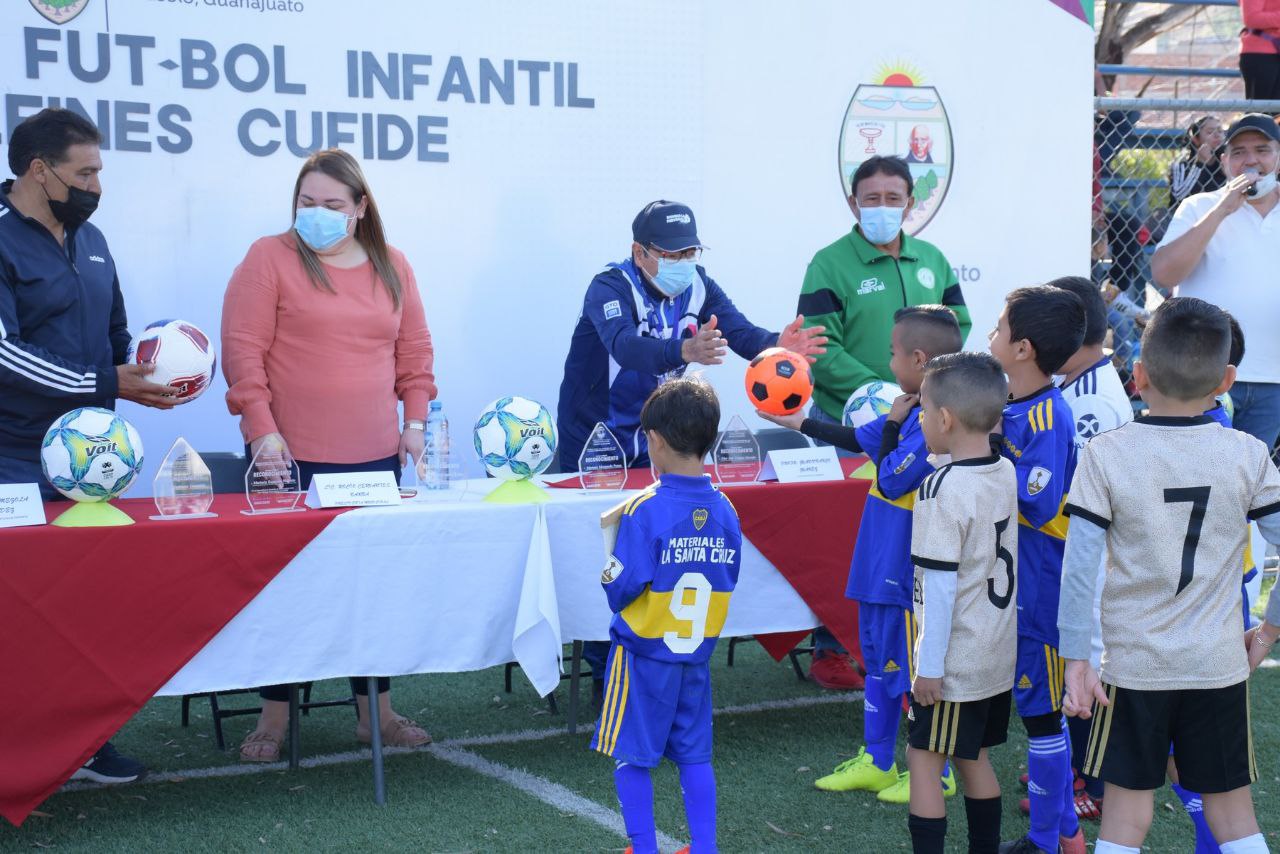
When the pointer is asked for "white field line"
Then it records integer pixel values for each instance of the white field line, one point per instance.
(363, 755)
(552, 794)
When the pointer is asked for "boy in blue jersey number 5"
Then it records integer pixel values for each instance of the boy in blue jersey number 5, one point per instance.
(668, 579)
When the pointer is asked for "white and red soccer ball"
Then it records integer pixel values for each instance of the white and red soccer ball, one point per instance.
(182, 355)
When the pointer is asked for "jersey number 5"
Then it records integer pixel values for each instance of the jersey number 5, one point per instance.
(1198, 498)
(1002, 556)
(696, 586)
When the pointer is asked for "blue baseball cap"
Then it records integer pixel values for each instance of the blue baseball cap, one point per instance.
(670, 226)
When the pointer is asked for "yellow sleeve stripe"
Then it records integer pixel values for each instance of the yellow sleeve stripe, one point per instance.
(1040, 416)
(649, 616)
(1249, 565)
(636, 502)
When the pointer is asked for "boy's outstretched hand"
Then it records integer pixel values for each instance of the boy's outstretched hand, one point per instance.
(791, 422)
(1083, 689)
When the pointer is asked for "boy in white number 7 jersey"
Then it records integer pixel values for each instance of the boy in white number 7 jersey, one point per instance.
(668, 578)
(1164, 497)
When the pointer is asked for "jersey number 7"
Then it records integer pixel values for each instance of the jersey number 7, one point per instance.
(1198, 498)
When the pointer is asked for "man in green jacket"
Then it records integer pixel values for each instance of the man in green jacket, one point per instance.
(854, 286)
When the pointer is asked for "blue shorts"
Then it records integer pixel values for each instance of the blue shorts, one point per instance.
(654, 709)
(888, 635)
(1038, 681)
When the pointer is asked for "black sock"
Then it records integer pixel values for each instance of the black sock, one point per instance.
(928, 835)
(984, 824)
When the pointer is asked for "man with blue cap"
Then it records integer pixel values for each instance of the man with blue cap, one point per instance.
(645, 320)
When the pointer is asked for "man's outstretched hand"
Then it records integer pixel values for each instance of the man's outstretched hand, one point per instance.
(808, 342)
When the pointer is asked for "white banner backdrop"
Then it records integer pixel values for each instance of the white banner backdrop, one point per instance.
(509, 145)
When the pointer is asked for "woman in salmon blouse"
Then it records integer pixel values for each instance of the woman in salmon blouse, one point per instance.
(323, 334)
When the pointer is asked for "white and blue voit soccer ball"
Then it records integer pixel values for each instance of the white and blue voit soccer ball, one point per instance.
(515, 438)
(91, 454)
(869, 402)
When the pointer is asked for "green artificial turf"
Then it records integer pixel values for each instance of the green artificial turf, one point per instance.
(766, 762)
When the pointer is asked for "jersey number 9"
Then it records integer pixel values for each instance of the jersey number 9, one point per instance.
(690, 601)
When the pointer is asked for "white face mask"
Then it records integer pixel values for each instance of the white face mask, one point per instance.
(1263, 185)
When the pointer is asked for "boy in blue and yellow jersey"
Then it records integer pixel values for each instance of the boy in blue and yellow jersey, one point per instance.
(1038, 330)
(881, 574)
(672, 567)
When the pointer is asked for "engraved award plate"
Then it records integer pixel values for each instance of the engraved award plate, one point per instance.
(183, 488)
(736, 455)
(602, 464)
(272, 483)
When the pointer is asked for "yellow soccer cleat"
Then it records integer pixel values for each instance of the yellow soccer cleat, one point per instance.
(858, 773)
(900, 791)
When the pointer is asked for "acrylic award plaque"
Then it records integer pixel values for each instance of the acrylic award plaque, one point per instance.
(439, 471)
(602, 464)
(736, 455)
(183, 488)
(272, 483)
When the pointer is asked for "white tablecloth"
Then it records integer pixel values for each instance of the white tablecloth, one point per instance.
(440, 586)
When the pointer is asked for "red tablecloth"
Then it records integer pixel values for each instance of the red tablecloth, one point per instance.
(93, 621)
(807, 531)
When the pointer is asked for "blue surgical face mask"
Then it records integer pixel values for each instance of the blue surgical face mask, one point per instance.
(675, 277)
(321, 228)
(880, 225)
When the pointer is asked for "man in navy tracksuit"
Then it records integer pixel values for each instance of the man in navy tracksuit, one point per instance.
(63, 333)
(644, 320)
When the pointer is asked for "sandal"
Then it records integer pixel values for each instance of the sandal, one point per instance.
(397, 732)
(261, 746)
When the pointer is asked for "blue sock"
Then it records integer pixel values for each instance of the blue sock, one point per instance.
(1069, 824)
(698, 783)
(635, 796)
(880, 716)
(1048, 771)
(1205, 843)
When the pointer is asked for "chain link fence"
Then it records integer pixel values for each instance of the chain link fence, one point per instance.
(1149, 154)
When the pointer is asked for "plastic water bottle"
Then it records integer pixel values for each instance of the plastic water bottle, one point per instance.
(437, 448)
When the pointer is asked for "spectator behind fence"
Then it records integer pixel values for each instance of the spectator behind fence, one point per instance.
(1260, 49)
(1196, 168)
(1222, 247)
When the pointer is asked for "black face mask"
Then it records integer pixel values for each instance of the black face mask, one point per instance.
(78, 207)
